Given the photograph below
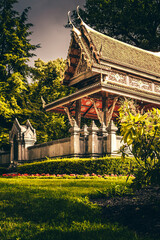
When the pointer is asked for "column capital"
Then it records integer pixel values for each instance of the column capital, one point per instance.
(112, 127)
(84, 131)
(103, 130)
(93, 128)
(75, 129)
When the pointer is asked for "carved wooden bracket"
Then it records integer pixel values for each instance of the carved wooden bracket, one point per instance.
(70, 117)
(110, 112)
(100, 114)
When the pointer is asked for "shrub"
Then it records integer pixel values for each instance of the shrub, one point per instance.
(107, 165)
(141, 135)
(2, 170)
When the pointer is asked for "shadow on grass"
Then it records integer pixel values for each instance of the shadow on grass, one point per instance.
(138, 211)
(143, 219)
(41, 209)
(46, 215)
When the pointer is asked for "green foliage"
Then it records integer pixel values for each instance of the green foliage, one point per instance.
(114, 190)
(15, 46)
(21, 100)
(141, 133)
(48, 79)
(133, 21)
(15, 51)
(47, 84)
(107, 165)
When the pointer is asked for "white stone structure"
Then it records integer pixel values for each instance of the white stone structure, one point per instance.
(89, 141)
(21, 137)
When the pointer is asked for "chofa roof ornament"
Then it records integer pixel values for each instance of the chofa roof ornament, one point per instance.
(79, 15)
(74, 29)
(82, 22)
(69, 19)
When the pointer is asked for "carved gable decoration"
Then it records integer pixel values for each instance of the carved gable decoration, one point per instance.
(81, 55)
(93, 51)
(74, 54)
(83, 66)
(16, 130)
(22, 132)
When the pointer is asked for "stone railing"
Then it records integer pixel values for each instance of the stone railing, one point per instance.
(93, 141)
(56, 148)
(89, 141)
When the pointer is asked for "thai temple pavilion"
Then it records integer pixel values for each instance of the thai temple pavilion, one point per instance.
(103, 70)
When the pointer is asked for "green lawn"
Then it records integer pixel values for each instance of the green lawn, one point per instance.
(57, 209)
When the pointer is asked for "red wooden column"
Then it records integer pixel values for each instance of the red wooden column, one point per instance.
(105, 106)
(78, 112)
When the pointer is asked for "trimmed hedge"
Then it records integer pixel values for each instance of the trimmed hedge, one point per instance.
(107, 165)
(3, 170)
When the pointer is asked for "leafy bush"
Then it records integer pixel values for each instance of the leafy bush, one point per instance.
(141, 136)
(107, 165)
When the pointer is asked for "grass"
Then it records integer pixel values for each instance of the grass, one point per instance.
(56, 209)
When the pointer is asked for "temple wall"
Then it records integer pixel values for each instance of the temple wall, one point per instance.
(89, 141)
(56, 148)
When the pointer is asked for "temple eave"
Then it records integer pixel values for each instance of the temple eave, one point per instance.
(87, 95)
(139, 95)
(73, 97)
(108, 63)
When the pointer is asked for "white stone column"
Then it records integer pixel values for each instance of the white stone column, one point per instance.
(85, 134)
(75, 140)
(19, 150)
(111, 139)
(103, 134)
(93, 140)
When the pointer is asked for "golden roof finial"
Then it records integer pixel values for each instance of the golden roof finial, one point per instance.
(82, 22)
(73, 27)
(79, 14)
(69, 19)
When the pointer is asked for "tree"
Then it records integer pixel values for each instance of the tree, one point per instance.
(136, 22)
(15, 46)
(141, 133)
(15, 51)
(47, 79)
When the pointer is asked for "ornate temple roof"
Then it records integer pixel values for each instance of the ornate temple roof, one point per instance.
(90, 48)
(125, 54)
(103, 69)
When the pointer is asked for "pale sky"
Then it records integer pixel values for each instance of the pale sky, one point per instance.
(49, 18)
